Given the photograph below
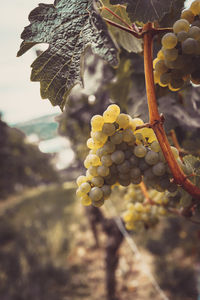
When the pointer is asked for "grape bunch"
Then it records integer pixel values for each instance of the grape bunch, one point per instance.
(140, 213)
(121, 154)
(178, 61)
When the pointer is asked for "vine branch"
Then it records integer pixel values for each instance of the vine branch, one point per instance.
(156, 120)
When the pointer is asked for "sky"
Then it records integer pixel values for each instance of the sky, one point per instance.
(19, 97)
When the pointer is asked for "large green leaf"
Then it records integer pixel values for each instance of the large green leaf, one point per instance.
(69, 27)
(146, 10)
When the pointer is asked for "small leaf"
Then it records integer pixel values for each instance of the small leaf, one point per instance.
(145, 10)
(69, 27)
(124, 39)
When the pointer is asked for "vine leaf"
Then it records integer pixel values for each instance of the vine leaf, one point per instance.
(145, 10)
(124, 39)
(69, 27)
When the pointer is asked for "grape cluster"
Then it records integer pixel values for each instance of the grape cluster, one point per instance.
(121, 155)
(142, 214)
(178, 61)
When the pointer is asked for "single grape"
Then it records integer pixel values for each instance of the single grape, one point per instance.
(124, 182)
(108, 129)
(159, 169)
(85, 187)
(151, 157)
(182, 36)
(171, 54)
(136, 180)
(187, 15)
(123, 146)
(106, 160)
(140, 151)
(97, 181)
(148, 174)
(169, 40)
(161, 67)
(128, 135)
(99, 137)
(97, 122)
(109, 147)
(106, 189)
(118, 157)
(81, 179)
(143, 164)
(155, 146)
(160, 54)
(103, 171)
(110, 116)
(124, 167)
(134, 161)
(95, 193)
(135, 172)
(98, 203)
(128, 154)
(181, 25)
(122, 120)
(115, 108)
(93, 160)
(194, 32)
(86, 200)
(195, 7)
(165, 78)
(93, 170)
(117, 138)
(189, 46)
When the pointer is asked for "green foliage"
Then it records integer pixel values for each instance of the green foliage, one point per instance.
(21, 163)
(69, 28)
(145, 11)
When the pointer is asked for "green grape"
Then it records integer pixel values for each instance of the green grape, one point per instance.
(181, 25)
(85, 200)
(93, 170)
(143, 165)
(140, 151)
(128, 153)
(103, 171)
(159, 169)
(85, 187)
(106, 160)
(188, 15)
(106, 189)
(169, 40)
(171, 54)
(81, 179)
(110, 116)
(101, 151)
(134, 161)
(161, 67)
(135, 172)
(194, 32)
(110, 180)
(99, 137)
(195, 7)
(118, 157)
(148, 174)
(128, 135)
(165, 78)
(155, 146)
(175, 151)
(115, 108)
(113, 169)
(98, 203)
(93, 160)
(109, 147)
(124, 175)
(161, 156)
(108, 129)
(136, 180)
(95, 194)
(189, 46)
(97, 122)
(124, 167)
(123, 120)
(123, 146)
(116, 138)
(97, 181)
(124, 182)
(151, 157)
(182, 36)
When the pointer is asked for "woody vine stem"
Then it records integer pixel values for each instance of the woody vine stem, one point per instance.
(155, 119)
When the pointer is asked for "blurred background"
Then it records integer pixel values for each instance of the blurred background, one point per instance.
(50, 246)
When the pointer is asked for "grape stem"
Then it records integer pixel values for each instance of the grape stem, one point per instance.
(156, 120)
